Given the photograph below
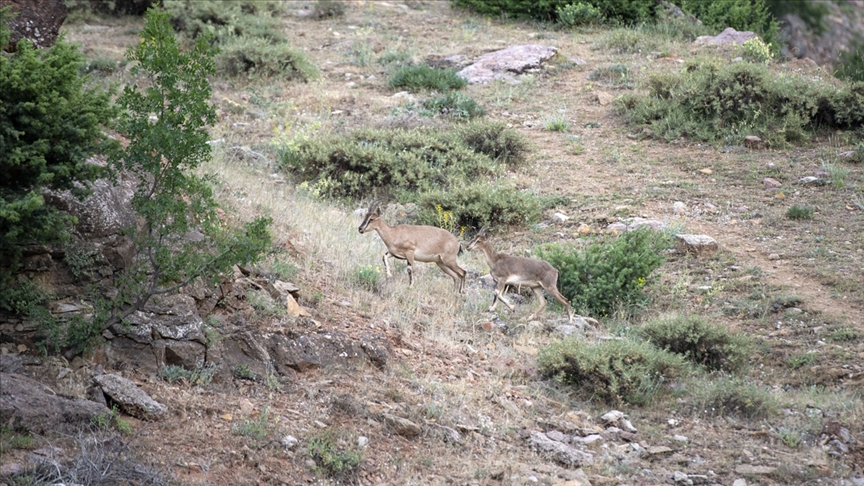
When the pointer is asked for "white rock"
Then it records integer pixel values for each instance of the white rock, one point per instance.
(673, 422)
(612, 417)
(559, 218)
(290, 442)
(739, 482)
(679, 438)
(679, 208)
(362, 441)
(626, 425)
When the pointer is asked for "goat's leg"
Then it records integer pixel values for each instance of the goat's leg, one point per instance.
(538, 292)
(553, 291)
(409, 257)
(452, 274)
(499, 296)
(387, 265)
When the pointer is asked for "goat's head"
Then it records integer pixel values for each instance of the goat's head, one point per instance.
(372, 215)
(480, 237)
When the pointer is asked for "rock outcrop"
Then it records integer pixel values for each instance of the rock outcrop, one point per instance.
(29, 405)
(131, 399)
(38, 21)
(507, 63)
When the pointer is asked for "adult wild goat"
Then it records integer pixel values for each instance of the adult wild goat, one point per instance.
(519, 271)
(416, 243)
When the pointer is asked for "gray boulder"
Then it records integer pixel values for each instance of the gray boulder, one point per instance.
(129, 397)
(727, 37)
(564, 454)
(27, 404)
(507, 63)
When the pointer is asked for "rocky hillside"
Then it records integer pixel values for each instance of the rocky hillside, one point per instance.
(315, 368)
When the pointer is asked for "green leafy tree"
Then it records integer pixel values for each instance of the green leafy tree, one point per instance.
(50, 124)
(180, 238)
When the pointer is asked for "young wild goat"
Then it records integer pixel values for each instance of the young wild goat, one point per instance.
(416, 243)
(519, 271)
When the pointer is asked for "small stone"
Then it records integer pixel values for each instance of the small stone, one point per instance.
(584, 229)
(679, 477)
(311, 464)
(768, 181)
(808, 180)
(679, 208)
(559, 218)
(700, 245)
(779, 195)
(774, 256)
(627, 426)
(673, 422)
(21, 348)
(362, 441)
(612, 417)
(616, 228)
(289, 442)
(246, 407)
(679, 438)
(739, 482)
(227, 417)
(351, 84)
(749, 470)
(556, 435)
(706, 171)
(604, 98)
(794, 311)
(320, 424)
(752, 142)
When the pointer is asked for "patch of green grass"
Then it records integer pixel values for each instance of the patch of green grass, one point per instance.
(242, 372)
(626, 40)
(261, 58)
(615, 371)
(454, 104)
(799, 212)
(105, 420)
(201, 374)
(10, 439)
(557, 124)
(366, 276)
(264, 304)
(615, 74)
(257, 429)
(844, 334)
(801, 360)
(790, 436)
(417, 78)
(335, 453)
(836, 173)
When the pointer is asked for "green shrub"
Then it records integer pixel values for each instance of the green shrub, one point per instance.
(799, 212)
(711, 100)
(255, 56)
(50, 124)
(201, 374)
(733, 396)
(850, 66)
(242, 372)
(366, 276)
(400, 162)
(754, 50)
(454, 104)
(248, 34)
(697, 340)
(615, 371)
(752, 15)
(494, 140)
(335, 453)
(105, 420)
(608, 276)
(328, 8)
(395, 58)
(256, 429)
(416, 78)
(801, 360)
(264, 304)
(578, 14)
(477, 205)
(844, 334)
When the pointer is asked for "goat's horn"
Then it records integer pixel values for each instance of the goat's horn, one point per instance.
(373, 206)
(482, 231)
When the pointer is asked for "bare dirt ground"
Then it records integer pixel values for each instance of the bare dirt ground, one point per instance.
(447, 373)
